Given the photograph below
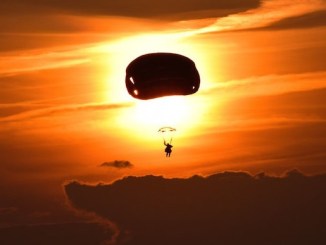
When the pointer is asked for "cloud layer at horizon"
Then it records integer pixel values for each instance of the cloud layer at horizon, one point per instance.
(227, 208)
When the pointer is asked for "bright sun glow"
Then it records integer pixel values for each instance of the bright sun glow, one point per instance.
(147, 116)
(166, 111)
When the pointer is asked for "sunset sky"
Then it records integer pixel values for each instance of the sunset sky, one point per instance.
(65, 110)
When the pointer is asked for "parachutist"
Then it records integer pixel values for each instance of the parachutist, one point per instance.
(167, 133)
(168, 149)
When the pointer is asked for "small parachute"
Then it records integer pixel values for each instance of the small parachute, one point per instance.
(161, 74)
(167, 134)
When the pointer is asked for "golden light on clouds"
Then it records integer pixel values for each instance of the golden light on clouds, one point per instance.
(267, 13)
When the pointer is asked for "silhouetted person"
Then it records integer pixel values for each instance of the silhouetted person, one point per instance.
(168, 149)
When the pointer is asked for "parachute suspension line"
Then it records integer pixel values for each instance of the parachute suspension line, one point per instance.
(167, 141)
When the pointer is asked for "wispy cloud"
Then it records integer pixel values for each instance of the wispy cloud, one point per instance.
(270, 11)
(40, 60)
(37, 113)
(269, 85)
(311, 19)
(267, 102)
(264, 124)
(58, 57)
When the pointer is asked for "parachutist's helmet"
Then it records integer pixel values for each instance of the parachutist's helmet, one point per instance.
(161, 74)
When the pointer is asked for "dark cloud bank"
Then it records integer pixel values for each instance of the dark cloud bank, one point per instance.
(225, 208)
(55, 234)
(141, 8)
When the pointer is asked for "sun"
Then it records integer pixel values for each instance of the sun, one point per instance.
(146, 117)
(170, 111)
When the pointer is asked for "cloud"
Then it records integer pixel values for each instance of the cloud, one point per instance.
(37, 113)
(269, 12)
(269, 85)
(7, 210)
(314, 19)
(117, 164)
(35, 61)
(224, 208)
(142, 9)
(61, 233)
(275, 111)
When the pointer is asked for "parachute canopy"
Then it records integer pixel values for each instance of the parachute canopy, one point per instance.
(166, 130)
(161, 74)
(167, 134)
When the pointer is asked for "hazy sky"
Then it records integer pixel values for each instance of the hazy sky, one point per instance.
(65, 112)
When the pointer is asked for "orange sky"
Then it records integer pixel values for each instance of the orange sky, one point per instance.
(64, 109)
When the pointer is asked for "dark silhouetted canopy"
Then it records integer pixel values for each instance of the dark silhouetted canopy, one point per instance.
(161, 74)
